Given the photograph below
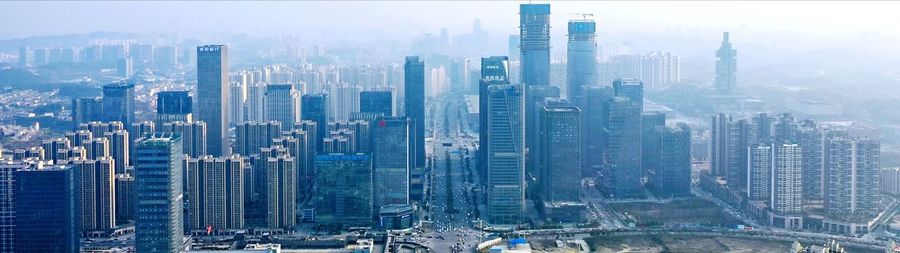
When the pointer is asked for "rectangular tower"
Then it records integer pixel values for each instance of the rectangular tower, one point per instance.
(159, 223)
(212, 96)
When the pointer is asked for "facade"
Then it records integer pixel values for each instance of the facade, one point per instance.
(315, 109)
(505, 154)
(581, 58)
(787, 191)
(376, 101)
(215, 192)
(212, 96)
(759, 169)
(173, 106)
(672, 178)
(118, 102)
(96, 193)
(159, 222)
(46, 217)
(281, 104)
(391, 160)
(345, 100)
(812, 140)
(343, 194)
(726, 66)
(8, 204)
(534, 34)
(851, 178)
(281, 202)
(560, 140)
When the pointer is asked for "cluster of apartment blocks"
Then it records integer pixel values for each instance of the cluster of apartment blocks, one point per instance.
(783, 170)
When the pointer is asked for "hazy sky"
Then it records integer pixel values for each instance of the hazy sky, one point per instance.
(405, 18)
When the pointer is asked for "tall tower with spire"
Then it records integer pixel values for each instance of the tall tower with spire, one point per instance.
(726, 66)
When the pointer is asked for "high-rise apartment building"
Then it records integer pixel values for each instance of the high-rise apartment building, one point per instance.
(759, 172)
(315, 108)
(96, 193)
(787, 192)
(281, 104)
(85, 110)
(251, 136)
(345, 100)
(212, 96)
(851, 177)
(193, 136)
(281, 202)
(119, 149)
(215, 192)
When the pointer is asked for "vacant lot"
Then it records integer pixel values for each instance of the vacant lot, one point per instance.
(684, 211)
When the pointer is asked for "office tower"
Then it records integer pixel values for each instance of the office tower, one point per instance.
(650, 121)
(173, 106)
(344, 100)
(622, 178)
(125, 198)
(96, 148)
(360, 133)
(256, 102)
(85, 110)
(631, 88)
(726, 66)
(46, 214)
(315, 108)
(493, 71)
(53, 146)
(786, 180)
(125, 67)
(594, 123)
(8, 204)
(212, 96)
(193, 136)
(505, 154)
(581, 57)
(851, 177)
(343, 190)
(96, 193)
(672, 178)
(534, 34)
(118, 103)
(414, 104)
(99, 128)
(236, 102)
(24, 60)
(159, 222)
(377, 102)
(391, 160)
(560, 141)
(165, 56)
(812, 142)
(78, 138)
(119, 149)
(251, 136)
(215, 192)
(759, 183)
(281, 199)
(536, 97)
(281, 104)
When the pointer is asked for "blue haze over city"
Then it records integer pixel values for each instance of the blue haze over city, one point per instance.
(449, 126)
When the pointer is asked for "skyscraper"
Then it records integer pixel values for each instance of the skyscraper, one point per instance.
(8, 202)
(534, 34)
(812, 142)
(505, 154)
(125, 67)
(650, 134)
(193, 136)
(119, 149)
(238, 98)
(125, 197)
(281, 202)
(96, 193)
(581, 58)
(560, 141)
(173, 106)
(344, 101)
(118, 103)
(46, 214)
(212, 96)
(536, 97)
(594, 123)
(216, 192)
(759, 182)
(344, 190)
(315, 108)
(726, 66)
(851, 177)
(256, 102)
(414, 104)
(672, 178)
(85, 110)
(622, 176)
(786, 180)
(377, 102)
(281, 104)
(158, 175)
(392, 160)
(494, 70)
